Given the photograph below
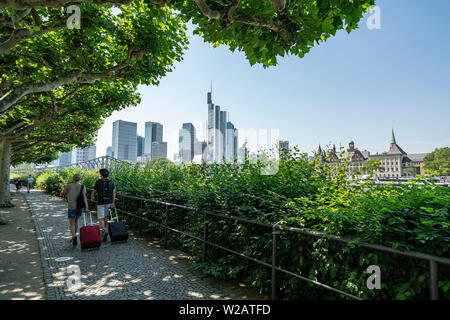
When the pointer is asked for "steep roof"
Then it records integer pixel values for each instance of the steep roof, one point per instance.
(417, 157)
(395, 149)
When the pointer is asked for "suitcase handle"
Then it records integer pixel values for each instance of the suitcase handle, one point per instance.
(84, 217)
(115, 210)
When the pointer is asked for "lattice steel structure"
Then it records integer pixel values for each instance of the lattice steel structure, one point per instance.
(110, 163)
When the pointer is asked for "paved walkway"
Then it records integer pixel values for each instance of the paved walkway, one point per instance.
(115, 271)
(20, 264)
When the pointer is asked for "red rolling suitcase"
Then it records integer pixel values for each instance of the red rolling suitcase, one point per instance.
(89, 235)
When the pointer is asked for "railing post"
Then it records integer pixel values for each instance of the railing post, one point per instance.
(434, 278)
(274, 262)
(123, 206)
(205, 235)
(140, 220)
(165, 227)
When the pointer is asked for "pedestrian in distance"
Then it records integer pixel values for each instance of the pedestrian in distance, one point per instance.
(76, 204)
(29, 183)
(18, 184)
(105, 188)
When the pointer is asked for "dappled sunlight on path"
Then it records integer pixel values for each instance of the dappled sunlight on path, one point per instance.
(129, 270)
(20, 263)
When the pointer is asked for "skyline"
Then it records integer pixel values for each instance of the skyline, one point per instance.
(355, 86)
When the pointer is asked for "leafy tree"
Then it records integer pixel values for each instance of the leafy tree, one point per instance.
(57, 83)
(159, 163)
(439, 161)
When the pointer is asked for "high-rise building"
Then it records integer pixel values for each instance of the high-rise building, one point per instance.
(140, 146)
(153, 133)
(231, 141)
(159, 150)
(212, 129)
(216, 134)
(199, 147)
(124, 144)
(65, 159)
(236, 142)
(85, 154)
(186, 142)
(109, 151)
(223, 120)
(154, 141)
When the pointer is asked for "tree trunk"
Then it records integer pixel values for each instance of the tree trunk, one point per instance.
(5, 162)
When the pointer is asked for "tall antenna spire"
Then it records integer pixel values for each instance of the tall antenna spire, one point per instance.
(210, 95)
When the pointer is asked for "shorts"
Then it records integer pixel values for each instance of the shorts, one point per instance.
(76, 213)
(103, 210)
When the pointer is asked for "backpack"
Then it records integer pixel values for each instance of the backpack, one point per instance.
(80, 199)
(105, 193)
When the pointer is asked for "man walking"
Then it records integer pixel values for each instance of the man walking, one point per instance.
(76, 202)
(18, 184)
(29, 183)
(106, 189)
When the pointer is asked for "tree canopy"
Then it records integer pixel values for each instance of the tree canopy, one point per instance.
(438, 161)
(58, 83)
(128, 43)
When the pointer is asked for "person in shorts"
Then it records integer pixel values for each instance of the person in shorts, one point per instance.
(105, 188)
(72, 191)
(29, 183)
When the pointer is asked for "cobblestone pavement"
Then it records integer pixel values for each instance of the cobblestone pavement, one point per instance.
(128, 270)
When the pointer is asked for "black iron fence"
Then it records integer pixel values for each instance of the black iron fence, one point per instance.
(275, 230)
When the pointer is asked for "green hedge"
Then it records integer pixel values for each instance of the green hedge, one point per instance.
(304, 194)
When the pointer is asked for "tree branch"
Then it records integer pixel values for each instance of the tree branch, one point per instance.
(19, 34)
(14, 95)
(25, 4)
(206, 10)
(282, 30)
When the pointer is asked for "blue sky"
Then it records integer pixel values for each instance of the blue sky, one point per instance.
(354, 86)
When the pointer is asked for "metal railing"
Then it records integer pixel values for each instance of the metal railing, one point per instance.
(276, 229)
(107, 162)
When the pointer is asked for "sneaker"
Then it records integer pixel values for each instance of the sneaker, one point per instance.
(74, 241)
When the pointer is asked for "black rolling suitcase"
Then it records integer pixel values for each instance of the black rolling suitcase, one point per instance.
(117, 229)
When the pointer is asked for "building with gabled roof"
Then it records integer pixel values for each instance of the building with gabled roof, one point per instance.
(397, 163)
(394, 163)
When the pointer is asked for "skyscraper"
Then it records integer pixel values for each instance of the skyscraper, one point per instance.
(199, 147)
(140, 146)
(85, 154)
(153, 133)
(65, 159)
(124, 144)
(216, 135)
(213, 129)
(231, 141)
(159, 150)
(186, 142)
(223, 120)
(154, 141)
